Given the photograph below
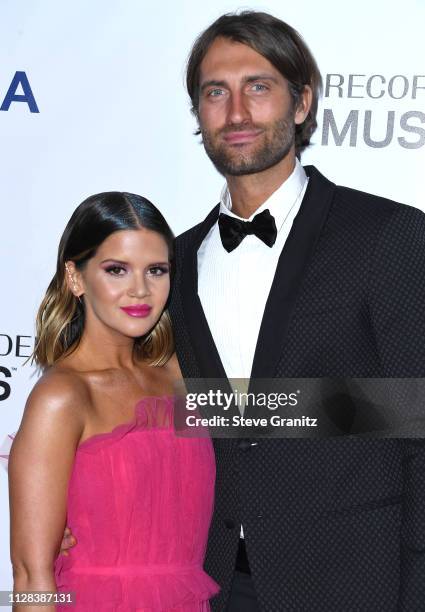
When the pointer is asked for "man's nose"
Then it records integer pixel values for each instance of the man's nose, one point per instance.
(237, 111)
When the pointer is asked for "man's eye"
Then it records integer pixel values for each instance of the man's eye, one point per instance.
(116, 270)
(259, 87)
(215, 92)
(158, 270)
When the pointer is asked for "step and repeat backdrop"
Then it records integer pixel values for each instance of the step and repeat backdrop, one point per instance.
(92, 99)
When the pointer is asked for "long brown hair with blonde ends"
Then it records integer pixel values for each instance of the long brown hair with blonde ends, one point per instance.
(61, 315)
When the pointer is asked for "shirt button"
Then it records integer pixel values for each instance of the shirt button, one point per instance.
(246, 445)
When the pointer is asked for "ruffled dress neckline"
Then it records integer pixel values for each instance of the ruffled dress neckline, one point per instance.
(149, 413)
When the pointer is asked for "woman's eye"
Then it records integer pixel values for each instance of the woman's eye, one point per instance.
(158, 270)
(116, 270)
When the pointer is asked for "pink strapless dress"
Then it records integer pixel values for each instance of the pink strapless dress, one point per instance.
(140, 500)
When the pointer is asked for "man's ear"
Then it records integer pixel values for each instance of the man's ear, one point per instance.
(73, 278)
(304, 105)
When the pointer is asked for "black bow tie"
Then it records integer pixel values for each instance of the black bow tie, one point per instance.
(233, 231)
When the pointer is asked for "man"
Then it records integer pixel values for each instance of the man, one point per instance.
(335, 290)
(327, 283)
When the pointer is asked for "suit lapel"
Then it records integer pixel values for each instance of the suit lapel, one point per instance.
(290, 272)
(207, 356)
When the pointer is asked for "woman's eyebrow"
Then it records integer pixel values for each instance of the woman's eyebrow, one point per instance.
(118, 261)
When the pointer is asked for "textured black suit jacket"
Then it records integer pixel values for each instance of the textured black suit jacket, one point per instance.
(335, 525)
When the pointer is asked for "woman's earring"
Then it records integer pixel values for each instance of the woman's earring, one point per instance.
(73, 283)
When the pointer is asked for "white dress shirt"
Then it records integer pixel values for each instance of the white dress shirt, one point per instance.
(233, 287)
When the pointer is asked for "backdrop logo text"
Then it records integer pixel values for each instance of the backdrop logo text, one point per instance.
(19, 83)
(380, 116)
(12, 347)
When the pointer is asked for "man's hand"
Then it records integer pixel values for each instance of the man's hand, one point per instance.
(68, 541)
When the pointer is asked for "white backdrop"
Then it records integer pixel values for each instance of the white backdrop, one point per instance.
(107, 79)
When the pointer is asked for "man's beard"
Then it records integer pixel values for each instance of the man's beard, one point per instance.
(278, 141)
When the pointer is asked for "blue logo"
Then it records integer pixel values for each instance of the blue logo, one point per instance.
(20, 79)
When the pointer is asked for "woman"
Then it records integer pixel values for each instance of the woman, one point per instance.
(96, 448)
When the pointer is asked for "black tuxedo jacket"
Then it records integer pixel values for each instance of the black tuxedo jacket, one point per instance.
(338, 524)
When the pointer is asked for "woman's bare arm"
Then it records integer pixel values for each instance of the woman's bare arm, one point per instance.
(40, 465)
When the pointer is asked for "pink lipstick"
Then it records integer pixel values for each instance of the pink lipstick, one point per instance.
(137, 310)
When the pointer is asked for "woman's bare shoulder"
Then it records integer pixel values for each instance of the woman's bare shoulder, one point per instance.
(59, 397)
